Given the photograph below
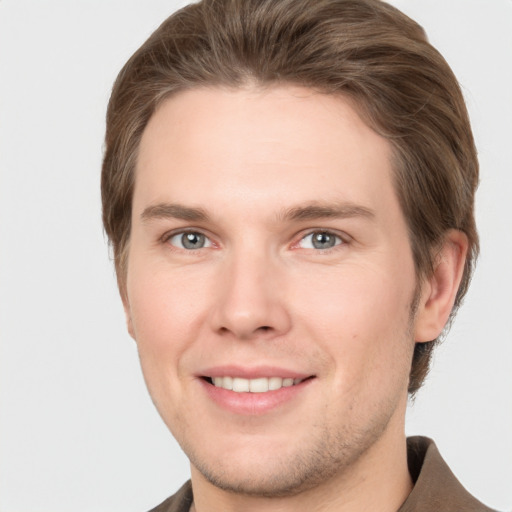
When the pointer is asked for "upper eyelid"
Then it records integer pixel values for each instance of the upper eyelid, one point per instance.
(345, 240)
(166, 238)
(342, 235)
(179, 231)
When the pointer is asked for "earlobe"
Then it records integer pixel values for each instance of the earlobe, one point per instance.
(440, 289)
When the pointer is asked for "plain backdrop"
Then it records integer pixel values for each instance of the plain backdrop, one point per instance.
(78, 430)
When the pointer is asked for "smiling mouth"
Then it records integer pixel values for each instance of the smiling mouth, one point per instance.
(259, 385)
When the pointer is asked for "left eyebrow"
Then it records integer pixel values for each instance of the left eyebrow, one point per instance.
(326, 211)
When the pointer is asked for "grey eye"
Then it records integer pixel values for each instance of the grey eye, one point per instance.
(320, 240)
(190, 240)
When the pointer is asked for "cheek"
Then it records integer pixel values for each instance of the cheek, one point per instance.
(165, 311)
(362, 316)
(356, 300)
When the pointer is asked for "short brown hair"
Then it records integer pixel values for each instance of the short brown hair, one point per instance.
(365, 50)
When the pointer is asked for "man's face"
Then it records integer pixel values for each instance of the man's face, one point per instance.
(268, 248)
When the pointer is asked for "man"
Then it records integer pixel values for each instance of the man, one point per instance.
(288, 186)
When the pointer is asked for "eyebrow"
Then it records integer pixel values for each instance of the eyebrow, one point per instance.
(173, 211)
(297, 213)
(326, 211)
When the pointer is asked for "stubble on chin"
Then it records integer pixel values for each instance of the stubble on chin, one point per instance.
(303, 468)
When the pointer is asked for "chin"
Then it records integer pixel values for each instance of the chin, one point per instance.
(271, 479)
(282, 471)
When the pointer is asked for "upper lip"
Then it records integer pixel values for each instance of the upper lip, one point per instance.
(252, 372)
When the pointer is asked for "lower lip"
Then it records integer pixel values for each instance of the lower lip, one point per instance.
(253, 404)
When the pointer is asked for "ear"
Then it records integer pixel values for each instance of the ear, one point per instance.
(438, 292)
(128, 314)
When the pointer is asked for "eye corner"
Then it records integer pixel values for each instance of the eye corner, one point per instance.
(188, 240)
(321, 240)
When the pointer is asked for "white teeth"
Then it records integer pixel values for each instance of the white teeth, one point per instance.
(240, 385)
(227, 382)
(259, 385)
(275, 383)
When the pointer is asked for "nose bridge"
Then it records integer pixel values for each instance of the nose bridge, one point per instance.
(249, 302)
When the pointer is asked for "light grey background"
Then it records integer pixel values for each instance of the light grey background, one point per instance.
(78, 430)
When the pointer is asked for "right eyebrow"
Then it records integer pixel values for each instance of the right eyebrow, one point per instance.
(173, 211)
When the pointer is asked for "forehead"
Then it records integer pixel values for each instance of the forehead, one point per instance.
(250, 147)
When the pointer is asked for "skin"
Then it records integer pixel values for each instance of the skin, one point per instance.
(259, 294)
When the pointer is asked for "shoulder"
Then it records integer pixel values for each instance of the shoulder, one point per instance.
(179, 502)
(435, 486)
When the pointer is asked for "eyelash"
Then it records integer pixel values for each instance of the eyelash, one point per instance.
(340, 240)
(169, 236)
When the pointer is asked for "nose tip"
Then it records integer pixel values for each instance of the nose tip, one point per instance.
(250, 303)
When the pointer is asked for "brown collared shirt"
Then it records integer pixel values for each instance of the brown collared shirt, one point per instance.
(435, 487)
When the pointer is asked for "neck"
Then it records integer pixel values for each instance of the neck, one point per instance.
(379, 481)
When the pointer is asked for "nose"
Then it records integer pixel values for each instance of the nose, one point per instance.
(250, 298)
